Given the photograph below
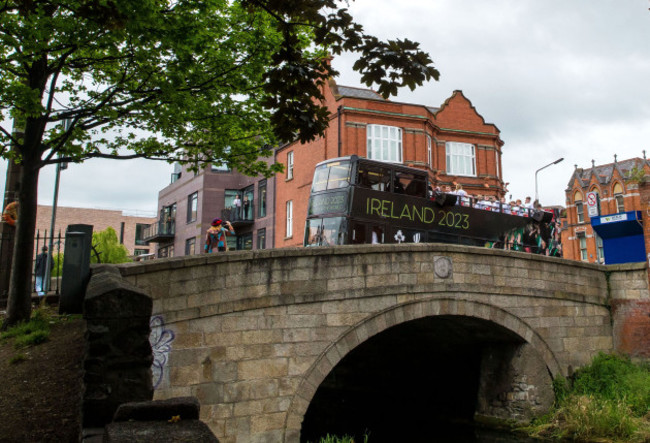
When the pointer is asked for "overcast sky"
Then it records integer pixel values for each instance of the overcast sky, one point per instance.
(559, 78)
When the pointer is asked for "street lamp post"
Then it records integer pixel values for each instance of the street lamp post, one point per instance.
(59, 167)
(544, 167)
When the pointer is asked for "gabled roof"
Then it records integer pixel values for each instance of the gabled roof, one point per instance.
(605, 173)
(348, 91)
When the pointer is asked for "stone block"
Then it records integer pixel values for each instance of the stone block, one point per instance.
(262, 369)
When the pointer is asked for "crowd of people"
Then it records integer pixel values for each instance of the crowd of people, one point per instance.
(491, 203)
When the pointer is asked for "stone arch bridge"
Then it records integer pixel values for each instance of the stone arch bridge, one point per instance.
(279, 345)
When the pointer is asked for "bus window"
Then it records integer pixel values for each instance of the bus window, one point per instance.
(339, 176)
(373, 177)
(358, 233)
(313, 232)
(334, 231)
(410, 184)
(376, 234)
(326, 231)
(331, 176)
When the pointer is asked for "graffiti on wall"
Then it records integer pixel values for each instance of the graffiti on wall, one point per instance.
(161, 344)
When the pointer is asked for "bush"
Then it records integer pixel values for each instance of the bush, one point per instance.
(609, 399)
(613, 377)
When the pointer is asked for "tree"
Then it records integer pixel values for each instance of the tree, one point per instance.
(194, 81)
(108, 248)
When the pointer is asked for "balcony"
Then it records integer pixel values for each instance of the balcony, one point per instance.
(237, 220)
(159, 232)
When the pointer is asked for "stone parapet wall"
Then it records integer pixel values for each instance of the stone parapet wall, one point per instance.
(256, 332)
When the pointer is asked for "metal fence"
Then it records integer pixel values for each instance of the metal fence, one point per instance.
(51, 282)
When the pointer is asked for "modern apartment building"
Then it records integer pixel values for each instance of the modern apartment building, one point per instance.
(452, 142)
(607, 212)
(192, 200)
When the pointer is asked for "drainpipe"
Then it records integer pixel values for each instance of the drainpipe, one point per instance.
(339, 112)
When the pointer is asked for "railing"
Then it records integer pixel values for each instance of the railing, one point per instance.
(50, 280)
(237, 216)
(163, 229)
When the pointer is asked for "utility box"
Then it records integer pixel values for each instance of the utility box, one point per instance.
(76, 268)
(622, 234)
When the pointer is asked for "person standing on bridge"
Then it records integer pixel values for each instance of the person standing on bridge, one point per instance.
(216, 236)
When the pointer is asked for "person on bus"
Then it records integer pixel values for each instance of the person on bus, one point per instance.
(462, 195)
(377, 235)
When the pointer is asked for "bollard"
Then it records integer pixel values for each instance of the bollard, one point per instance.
(76, 268)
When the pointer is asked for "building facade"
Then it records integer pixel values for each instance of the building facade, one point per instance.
(453, 143)
(192, 200)
(128, 227)
(617, 188)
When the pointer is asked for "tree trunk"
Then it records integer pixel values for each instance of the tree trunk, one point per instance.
(19, 303)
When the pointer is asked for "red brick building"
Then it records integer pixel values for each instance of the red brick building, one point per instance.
(619, 187)
(452, 142)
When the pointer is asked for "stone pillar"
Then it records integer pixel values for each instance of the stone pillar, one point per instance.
(514, 384)
(118, 357)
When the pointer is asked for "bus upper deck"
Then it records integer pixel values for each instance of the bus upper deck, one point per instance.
(357, 200)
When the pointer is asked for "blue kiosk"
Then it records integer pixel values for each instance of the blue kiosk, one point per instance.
(622, 235)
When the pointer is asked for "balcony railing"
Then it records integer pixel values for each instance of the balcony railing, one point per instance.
(160, 231)
(237, 218)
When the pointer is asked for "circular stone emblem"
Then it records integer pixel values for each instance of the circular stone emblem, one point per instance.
(442, 267)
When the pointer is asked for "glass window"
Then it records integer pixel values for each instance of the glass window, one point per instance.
(289, 165)
(166, 251)
(429, 155)
(289, 230)
(192, 207)
(261, 238)
(326, 232)
(600, 252)
(331, 176)
(580, 211)
(410, 184)
(620, 200)
(384, 143)
(247, 203)
(582, 239)
(190, 245)
(461, 159)
(261, 196)
(139, 234)
(232, 202)
(167, 219)
(245, 242)
(373, 177)
(620, 204)
(138, 252)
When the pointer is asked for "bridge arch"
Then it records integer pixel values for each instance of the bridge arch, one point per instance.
(394, 316)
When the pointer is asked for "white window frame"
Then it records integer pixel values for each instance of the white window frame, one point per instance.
(289, 225)
(429, 153)
(289, 165)
(384, 143)
(620, 203)
(461, 159)
(582, 244)
(580, 211)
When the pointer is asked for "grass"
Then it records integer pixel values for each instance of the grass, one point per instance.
(609, 400)
(36, 330)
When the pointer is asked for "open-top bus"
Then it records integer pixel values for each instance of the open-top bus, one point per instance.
(356, 200)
